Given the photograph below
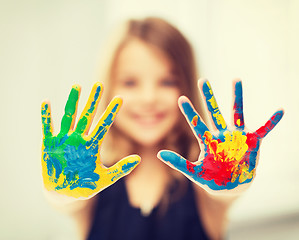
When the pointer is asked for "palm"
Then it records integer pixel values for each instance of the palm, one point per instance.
(71, 160)
(228, 157)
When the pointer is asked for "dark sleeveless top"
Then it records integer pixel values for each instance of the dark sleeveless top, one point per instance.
(116, 219)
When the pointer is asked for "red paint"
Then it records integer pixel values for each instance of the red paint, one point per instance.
(190, 166)
(238, 116)
(251, 140)
(222, 155)
(219, 171)
(194, 121)
(246, 158)
(216, 167)
(219, 167)
(213, 146)
(264, 130)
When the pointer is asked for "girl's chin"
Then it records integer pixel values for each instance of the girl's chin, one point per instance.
(149, 143)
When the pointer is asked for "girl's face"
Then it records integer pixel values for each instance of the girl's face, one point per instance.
(144, 77)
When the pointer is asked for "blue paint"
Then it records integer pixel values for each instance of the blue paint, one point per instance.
(83, 122)
(77, 163)
(238, 106)
(96, 96)
(216, 171)
(102, 130)
(114, 108)
(200, 128)
(207, 92)
(181, 164)
(127, 167)
(46, 120)
(81, 163)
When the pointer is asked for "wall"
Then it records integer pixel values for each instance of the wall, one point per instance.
(46, 46)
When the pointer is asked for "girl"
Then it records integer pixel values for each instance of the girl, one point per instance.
(150, 67)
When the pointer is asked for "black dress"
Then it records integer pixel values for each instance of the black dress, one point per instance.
(116, 219)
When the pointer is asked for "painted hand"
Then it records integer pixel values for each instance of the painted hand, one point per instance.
(71, 160)
(228, 157)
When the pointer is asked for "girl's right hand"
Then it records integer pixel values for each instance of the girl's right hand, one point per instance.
(71, 163)
(229, 154)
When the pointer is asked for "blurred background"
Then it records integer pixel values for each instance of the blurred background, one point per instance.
(47, 46)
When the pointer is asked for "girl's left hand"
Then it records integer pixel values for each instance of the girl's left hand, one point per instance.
(228, 157)
(71, 160)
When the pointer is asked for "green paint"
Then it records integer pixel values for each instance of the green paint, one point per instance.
(69, 154)
(75, 140)
(70, 109)
(70, 159)
(82, 124)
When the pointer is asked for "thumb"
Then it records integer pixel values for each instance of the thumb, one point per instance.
(173, 160)
(123, 167)
(178, 163)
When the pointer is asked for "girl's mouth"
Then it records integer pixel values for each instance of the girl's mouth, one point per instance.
(149, 119)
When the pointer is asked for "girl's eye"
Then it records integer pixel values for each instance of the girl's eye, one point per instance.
(130, 82)
(169, 82)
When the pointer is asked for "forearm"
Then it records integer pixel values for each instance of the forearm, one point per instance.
(214, 212)
(79, 210)
(65, 204)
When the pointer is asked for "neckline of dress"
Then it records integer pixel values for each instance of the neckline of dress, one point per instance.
(145, 210)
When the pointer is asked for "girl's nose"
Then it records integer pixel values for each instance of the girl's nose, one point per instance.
(148, 94)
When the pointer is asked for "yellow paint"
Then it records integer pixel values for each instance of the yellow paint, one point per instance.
(219, 119)
(112, 104)
(107, 177)
(238, 122)
(210, 88)
(46, 114)
(245, 174)
(213, 102)
(232, 150)
(89, 109)
(216, 113)
(194, 120)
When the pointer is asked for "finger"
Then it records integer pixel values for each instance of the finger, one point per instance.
(238, 105)
(46, 120)
(70, 110)
(105, 122)
(270, 124)
(212, 105)
(89, 110)
(123, 167)
(193, 118)
(177, 162)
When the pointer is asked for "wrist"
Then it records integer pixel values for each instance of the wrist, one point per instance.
(64, 203)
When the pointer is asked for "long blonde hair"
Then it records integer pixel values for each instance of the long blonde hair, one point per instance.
(159, 33)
